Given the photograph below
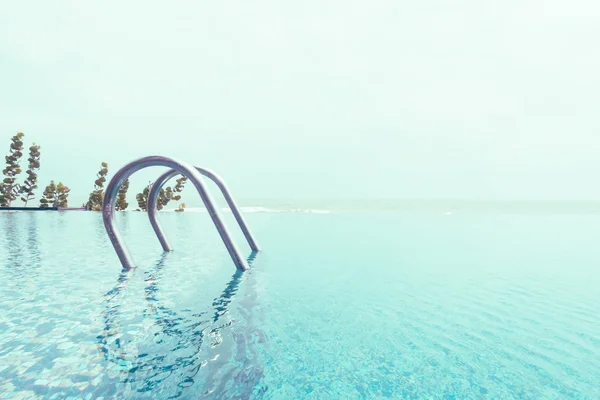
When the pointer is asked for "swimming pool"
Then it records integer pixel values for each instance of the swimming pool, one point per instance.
(339, 305)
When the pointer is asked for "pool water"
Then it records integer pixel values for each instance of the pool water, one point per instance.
(415, 305)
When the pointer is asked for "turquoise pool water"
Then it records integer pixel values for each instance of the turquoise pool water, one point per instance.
(415, 305)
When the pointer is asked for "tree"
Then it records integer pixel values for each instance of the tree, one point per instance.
(49, 197)
(62, 193)
(9, 190)
(179, 187)
(30, 183)
(97, 196)
(169, 193)
(164, 197)
(142, 198)
(122, 203)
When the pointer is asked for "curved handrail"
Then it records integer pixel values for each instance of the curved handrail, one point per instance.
(153, 211)
(112, 190)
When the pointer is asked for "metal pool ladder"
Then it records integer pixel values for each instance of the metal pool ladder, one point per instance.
(194, 174)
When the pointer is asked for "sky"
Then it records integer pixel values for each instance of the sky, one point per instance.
(313, 99)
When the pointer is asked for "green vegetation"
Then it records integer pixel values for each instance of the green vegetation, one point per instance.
(62, 193)
(164, 197)
(55, 196)
(142, 198)
(122, 197)
(49, 196)
(9, 189)
(97, 196)
(179, 188)
(27, 189)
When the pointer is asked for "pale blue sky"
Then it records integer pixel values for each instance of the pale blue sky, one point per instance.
(313, 99)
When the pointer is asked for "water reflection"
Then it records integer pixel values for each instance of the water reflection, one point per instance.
(33, 241)
(22, 246)
(167, 349)
(244, 377)
(14, 248)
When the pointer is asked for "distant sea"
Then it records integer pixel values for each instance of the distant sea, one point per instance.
(444, 206)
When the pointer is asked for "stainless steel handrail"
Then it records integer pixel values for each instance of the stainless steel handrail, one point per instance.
(153, 211)
(112, 191)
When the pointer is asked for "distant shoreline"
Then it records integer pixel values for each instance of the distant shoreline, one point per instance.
(430, 206)
(43, 209)
(442, 205)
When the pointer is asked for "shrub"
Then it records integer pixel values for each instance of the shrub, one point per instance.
(97, 196)
(49, 196)
(62, 194)
(142, 198)
(9, 189)
(164, 197)
(30, 184)
(122, 203)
